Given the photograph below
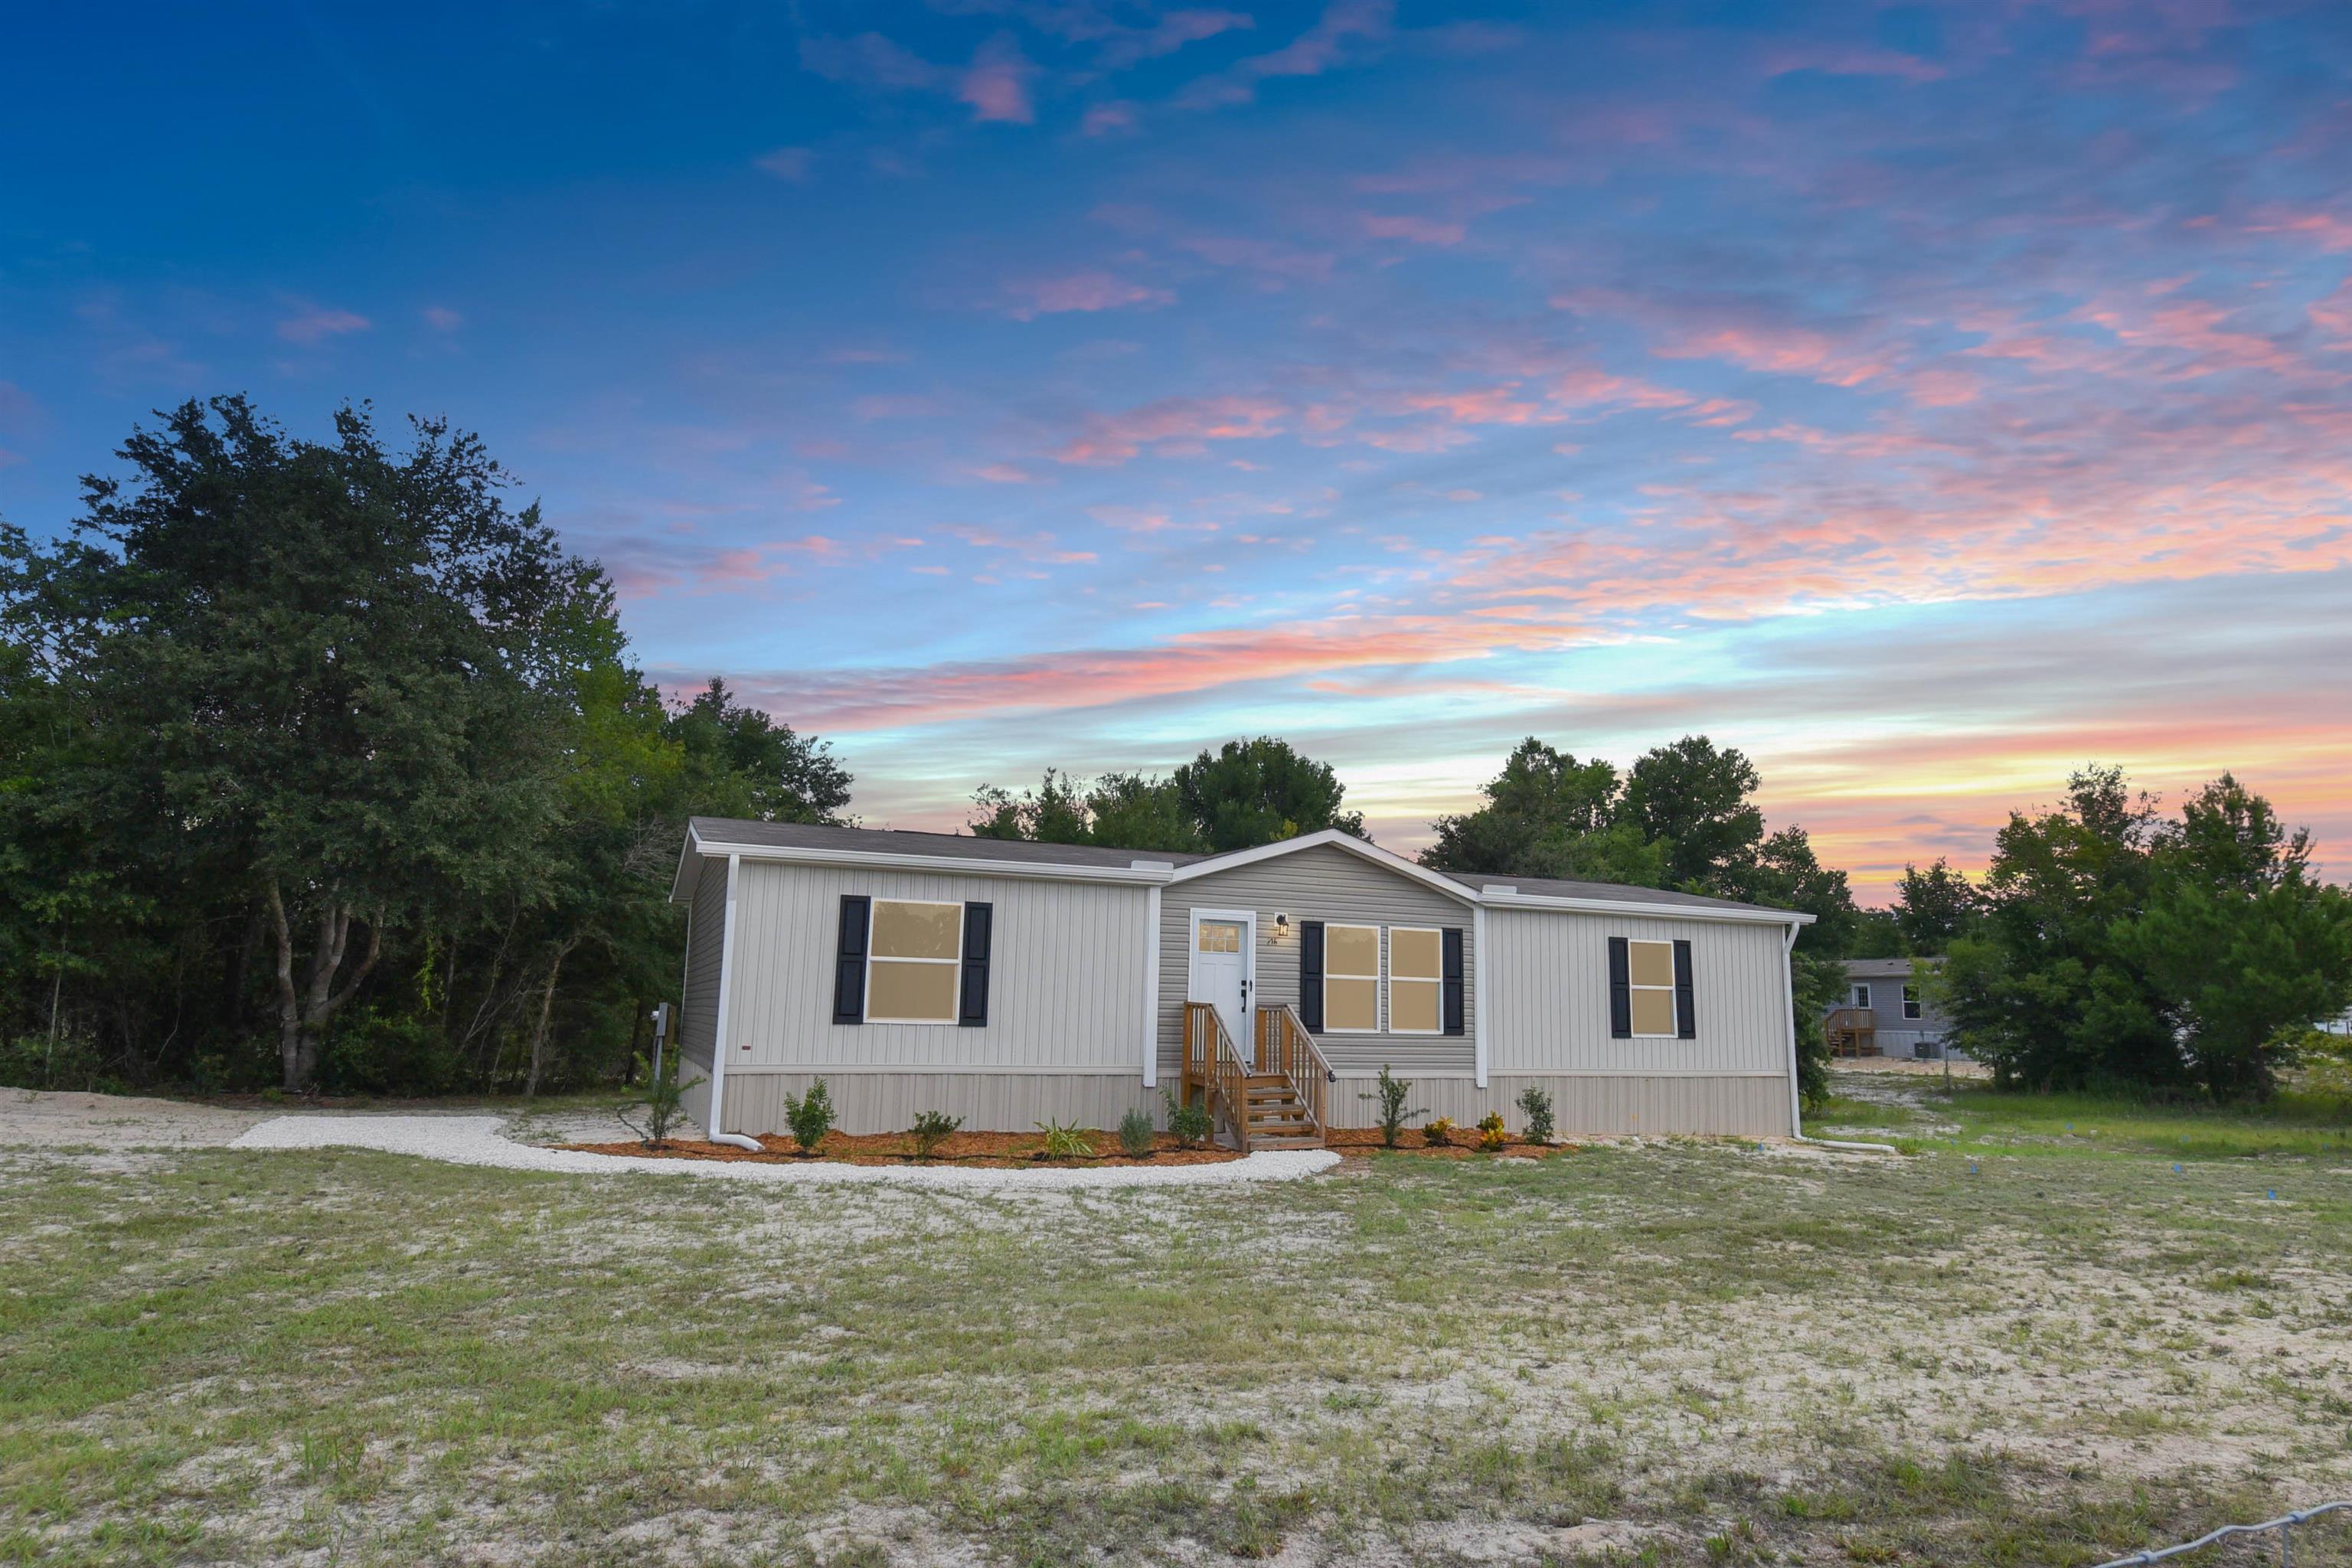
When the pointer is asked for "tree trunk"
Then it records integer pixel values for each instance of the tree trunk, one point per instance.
(539, 1034)
(302, 1014)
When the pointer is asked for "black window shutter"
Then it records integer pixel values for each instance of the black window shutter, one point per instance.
(1620, 991)
(977, 920)
(1452, 988)
(1310, 975)
(1686, 1020)
(849, 961)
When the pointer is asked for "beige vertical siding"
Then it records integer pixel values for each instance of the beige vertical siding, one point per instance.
(1319, 884)
(697, 1020)
(1065, 976)
(1548, 1002)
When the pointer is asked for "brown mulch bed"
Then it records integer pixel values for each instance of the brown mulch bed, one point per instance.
(1362, 1143)
(984, 1151)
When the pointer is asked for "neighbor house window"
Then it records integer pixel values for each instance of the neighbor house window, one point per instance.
(916, 961)
(1351, 979)
(1910, 1001)
(1416, 980)
(1650, 967)
(1861, 995)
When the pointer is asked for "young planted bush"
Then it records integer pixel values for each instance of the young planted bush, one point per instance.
(1392, 1092)
(663, 1107)
(931, 1130)
(1192, 1123)
(810, 1118)
(1535, 1105)
(1064, 1143)
(1491, 1136)
(1438, 1133)
(1135, 1134)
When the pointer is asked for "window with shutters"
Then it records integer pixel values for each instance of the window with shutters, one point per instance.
(914, 962)
(1650, 966)
(1351, 979)
(1416, 980)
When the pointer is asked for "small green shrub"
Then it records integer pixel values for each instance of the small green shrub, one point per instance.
(663, 1106)
(1535, 1105)
(931, 1130)
(1136, 1135)
(1064, 1143)
(1192, 1124)
(1438, 1133)
(1491, 1136)
(810, 1118)
(1392, 1092)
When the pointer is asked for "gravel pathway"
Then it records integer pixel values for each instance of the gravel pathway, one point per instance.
(479, 1141)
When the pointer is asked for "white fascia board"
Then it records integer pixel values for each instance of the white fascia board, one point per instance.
(689, 871)
(940, 865)
(1354, 845)
(1501, 898)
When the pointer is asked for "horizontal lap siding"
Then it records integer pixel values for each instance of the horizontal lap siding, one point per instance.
(1337, 887)
(1065, 975)
(987, 1101)
(1658, 1104)
(1548, 1003)
(707, 925)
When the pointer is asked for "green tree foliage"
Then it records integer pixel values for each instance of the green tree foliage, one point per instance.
(1548, 815)
(1698, 803)
(2117, 947)
(1260, 792)
(1247, 793)
(1934, 908)
(319, 743)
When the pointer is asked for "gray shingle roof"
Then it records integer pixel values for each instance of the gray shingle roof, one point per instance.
(963, 847)
(1611, 892)
(945, 846)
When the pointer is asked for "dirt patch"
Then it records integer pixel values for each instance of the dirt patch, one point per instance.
(32, 1119)
(978, 1151)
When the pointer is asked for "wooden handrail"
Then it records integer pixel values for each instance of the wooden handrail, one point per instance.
(1213, 1061)
(1298, 1059)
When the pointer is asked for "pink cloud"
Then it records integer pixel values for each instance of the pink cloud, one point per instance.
(1421, 231)
(1108, 119)
(442, 319)
(1172, 426)
(1846, 61)
(1003, 474)
(789, 164)
(312, 325)
(1079, 292)
(997, 84)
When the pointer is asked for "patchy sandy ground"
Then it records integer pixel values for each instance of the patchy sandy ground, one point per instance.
(1903, 1067)
(35, 1119)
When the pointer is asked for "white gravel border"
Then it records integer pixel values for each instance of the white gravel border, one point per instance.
(479, 1141)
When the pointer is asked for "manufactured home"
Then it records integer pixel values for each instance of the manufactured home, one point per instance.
(1010, 984)
(1885, 1012)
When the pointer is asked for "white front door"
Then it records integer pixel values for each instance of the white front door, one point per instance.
(1224, 944)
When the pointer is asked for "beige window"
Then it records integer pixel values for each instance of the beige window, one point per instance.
(1416, 981)
(917, 958)
(1351, 979)
(1651, 966)
(1220, 936)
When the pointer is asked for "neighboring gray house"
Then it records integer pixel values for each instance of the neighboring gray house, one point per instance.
(1013, 982)
(1882, 997)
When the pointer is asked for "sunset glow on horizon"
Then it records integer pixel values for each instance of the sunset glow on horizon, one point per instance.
(1927, 399)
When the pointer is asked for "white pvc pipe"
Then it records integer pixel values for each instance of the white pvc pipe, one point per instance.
(1796, 1097)
(718, 1025)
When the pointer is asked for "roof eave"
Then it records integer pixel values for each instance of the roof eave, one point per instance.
(1744, 915)
(1143, 874)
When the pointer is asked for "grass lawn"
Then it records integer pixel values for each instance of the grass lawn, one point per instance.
(2036, 1344)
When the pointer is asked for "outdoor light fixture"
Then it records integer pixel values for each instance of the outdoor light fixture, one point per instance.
(1281, 928)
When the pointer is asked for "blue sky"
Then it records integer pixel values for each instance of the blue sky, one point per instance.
(1927, 399)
